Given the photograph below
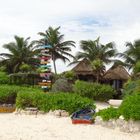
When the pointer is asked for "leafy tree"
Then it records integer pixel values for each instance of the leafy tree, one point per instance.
(96, 53)
(20, 51)
(132, 55)
(98, 68)
(60, 49)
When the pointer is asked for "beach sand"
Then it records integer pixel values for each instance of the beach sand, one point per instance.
(47, 127)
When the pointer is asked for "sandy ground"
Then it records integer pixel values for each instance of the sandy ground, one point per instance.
(46, 127)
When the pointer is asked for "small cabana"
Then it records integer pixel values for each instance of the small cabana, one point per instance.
(116, 77)
(84, 71)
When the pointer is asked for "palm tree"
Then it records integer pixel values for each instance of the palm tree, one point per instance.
(20, 52)
(132, 55)
(96, 53)
(98, 68)
(60, 49)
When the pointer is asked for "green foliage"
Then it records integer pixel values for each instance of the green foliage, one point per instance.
(61, 85)
(20, 51)
(109, 113)
(47, 102)
(8, 93)
(130, 107)
(24, 78)
(61, 49)
(25, 68)
(70, 75)
(130, 87)
(4, 78)
(95, 91)
(137, 67)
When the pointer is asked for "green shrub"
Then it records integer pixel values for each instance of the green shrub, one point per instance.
(61, 85)
(130, 87)
(8, 93)
(130, 107)
(109, 113)
(137, 67)
(46, 102)
(95, 91)
(70, 75)
(4, 78)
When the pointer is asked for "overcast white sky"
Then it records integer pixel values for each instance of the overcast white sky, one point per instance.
(112, 20)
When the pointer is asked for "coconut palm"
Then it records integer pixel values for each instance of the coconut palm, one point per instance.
(60, 48)
(20, 52)
(98, 68)
(96, 53)
(132, 55)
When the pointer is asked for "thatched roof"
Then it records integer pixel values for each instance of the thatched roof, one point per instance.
(118, 73)
(83, 68)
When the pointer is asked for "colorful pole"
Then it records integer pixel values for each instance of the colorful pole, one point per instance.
(45, 67)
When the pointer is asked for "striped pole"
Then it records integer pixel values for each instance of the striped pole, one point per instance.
(45, 67)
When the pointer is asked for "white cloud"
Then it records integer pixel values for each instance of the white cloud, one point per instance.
(117, 21)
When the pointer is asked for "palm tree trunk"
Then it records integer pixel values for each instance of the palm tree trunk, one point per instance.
(54, 64)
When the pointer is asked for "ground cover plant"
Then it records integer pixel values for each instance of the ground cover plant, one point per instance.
(109, 113)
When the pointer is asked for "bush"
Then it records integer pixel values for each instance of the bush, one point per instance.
(47, 102)
(130, 107)
(4, 78)
(8, 93)
(109, 113)
(130, 87)
(61, 85)
(70, 75)
(95, 91)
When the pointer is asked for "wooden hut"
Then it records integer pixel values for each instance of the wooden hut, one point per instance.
(84, 71)
(116, 77)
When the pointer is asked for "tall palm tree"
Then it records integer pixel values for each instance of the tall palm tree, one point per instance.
(20, 52)
(132, 55)
(96, 53)
(60, 49)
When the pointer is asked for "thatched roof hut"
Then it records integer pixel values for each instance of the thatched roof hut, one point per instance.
(117, 73)
(83, 68)
(84, 71)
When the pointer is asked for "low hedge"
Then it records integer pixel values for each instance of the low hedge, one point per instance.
(8, 93)
(95, 91)
(46, 102)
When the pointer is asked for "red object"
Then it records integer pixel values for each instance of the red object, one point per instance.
(77, 121)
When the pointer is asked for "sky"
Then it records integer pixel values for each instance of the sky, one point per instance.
(112, 20)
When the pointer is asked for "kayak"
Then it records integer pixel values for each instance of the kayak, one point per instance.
(83, 116)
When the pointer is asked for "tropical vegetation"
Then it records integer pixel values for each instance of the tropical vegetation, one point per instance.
(21, 52)
(60, 49)
(47, 102)
(95, 91)
(97, 54)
